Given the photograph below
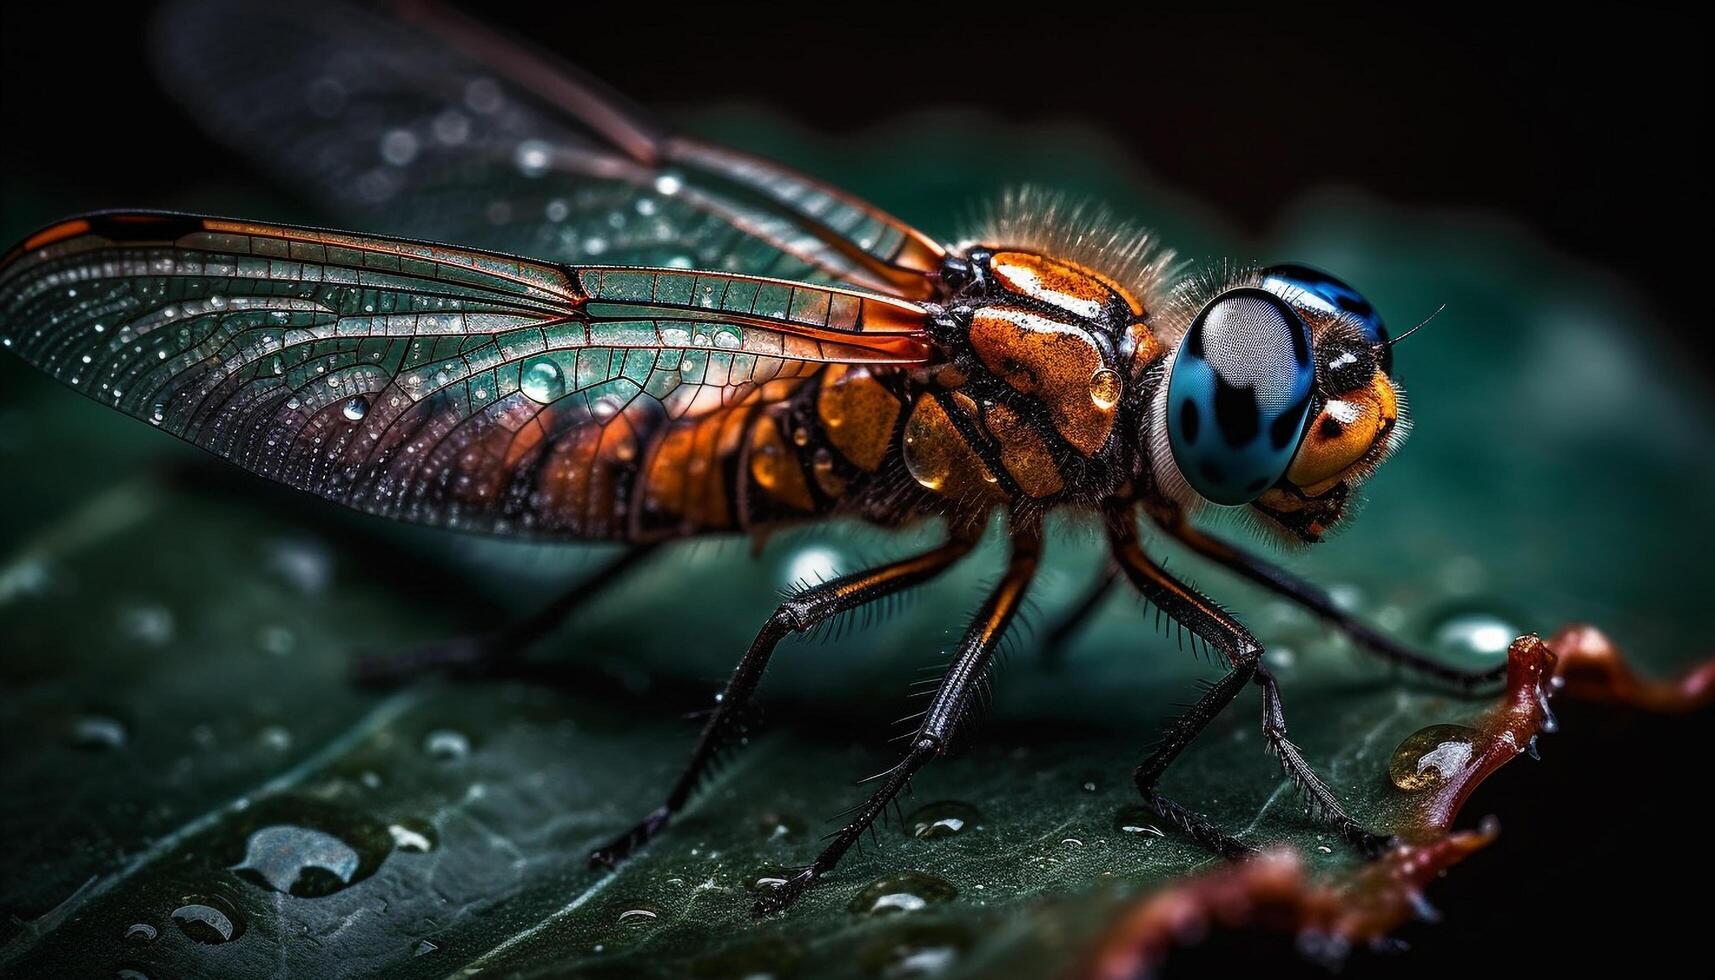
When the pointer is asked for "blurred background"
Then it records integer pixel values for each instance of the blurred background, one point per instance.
(1581, 132)
(1583, 127)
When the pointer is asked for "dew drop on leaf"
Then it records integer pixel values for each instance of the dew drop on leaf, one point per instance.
(413, 836)
(446, 744)
(298, 860)
(905, 892)
(97, 732)
(1472, 637)
(941, 819)
(1430, 756)
(209, 921)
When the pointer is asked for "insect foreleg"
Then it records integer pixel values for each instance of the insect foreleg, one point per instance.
(797, 614)
(969, 667)
(1289, 586)
(485, 653)
(1242, 651)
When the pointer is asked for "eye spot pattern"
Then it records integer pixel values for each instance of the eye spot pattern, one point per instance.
(1239, 394)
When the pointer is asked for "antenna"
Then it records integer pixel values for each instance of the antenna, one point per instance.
(1391, 341)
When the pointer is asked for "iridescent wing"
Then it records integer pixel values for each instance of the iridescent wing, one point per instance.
(435, 384)
(429, 125)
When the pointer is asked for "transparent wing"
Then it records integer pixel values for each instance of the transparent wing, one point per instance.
(434, 384)
(428, 125)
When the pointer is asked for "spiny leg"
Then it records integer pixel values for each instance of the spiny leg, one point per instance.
(1071, 621)
(1208, 622)
(801, 612)
(498, 649)
(1289, 586)
(952, 701)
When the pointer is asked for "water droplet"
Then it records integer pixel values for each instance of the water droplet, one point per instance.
(140, 932)
(148, 624)
(298, 861)
(918, 949)
(941, 819)
(1431, 756)
(210, 921)
(276, 737)
(446, 744)
(774, 825)
(1472, 637)
(398, 147)
(97, 732)
(905, 892)
(543, 381)
(768, 878)
(1105, 389)
(356, 408)
(413, 836)
(482, 96)
(638, 916)
(532, 158)
(1137, 820)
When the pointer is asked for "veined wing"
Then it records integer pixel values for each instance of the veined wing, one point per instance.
(430, 125)
(435, 384)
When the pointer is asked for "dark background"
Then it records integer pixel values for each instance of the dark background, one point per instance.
(1587, 127)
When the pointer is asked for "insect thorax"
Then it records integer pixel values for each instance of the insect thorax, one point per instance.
(1039, 394)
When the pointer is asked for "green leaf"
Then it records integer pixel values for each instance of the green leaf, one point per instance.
(183, 742)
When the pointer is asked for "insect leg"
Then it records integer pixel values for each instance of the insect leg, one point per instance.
(501, 648)
(1209, 623)
(1284, 583)
(1071, 621)
(952, 701)
(797, 614)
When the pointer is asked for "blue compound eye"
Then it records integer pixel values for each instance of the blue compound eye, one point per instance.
(1320, 291)
(1239, 394)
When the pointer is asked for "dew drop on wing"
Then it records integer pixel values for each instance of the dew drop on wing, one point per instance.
(543, 381)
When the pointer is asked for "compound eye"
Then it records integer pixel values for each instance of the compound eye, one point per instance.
(1239, 394)
(1322, 292)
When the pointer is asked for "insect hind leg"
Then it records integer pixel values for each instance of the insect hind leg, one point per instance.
(802, 612)
(962, 680)
(502, 650)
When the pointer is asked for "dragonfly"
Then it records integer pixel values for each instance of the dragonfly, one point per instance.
(637, 336)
